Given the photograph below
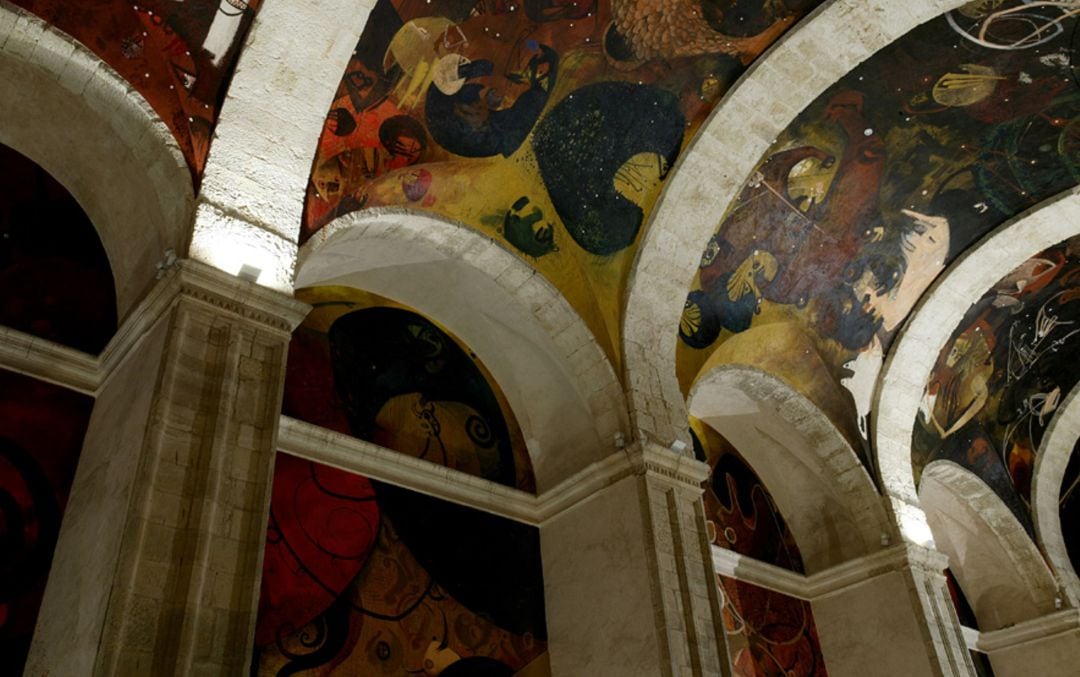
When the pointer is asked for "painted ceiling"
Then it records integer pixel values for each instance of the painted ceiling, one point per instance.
(54, 272)
(999, 380)
(547, 124)
(371, 368)
(363, 578)
(178, 54)
(873, 190)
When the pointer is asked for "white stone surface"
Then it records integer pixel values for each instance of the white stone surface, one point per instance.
(1002, 573)
(71, 113)
(72, 615)
(260, 159)
(823, 491)
(1052, 459)
(556, 377)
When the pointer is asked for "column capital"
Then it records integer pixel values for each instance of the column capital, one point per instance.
(247, 300)
(652, 460)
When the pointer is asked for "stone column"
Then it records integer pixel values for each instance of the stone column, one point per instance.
(184, 589)
(630, 588)
(897, 619)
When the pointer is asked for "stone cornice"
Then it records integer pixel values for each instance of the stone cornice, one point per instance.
(1029, 631)
(371, 460)
(49, 361)
(386, 465)
(247, 300)
(831, 580)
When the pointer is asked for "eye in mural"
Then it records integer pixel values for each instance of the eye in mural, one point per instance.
(367, 367)
(1001, 377)
(875, 188)
(362, 578)
(41, 435)
(179, 55)
(550, 124)
(53, 269)
(767, 633)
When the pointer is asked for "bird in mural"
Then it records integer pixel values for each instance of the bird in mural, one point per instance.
(667, 29)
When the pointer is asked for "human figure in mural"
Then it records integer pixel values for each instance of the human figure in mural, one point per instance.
(529, 232)
(407, 385)
(476, 120)
(594, 145)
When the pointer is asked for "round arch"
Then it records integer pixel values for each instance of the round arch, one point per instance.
(928, 328)
(997, 565)
(823, 491)
(71, 113)
(796, 70)
(1055, 451)
(560, 385)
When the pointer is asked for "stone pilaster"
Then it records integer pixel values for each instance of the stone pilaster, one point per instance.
(185, 588)
(629, 580)
(924, 572)
(894, 619)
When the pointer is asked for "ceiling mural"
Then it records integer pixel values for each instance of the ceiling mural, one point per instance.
(874, 189)
(999, 380)
(41, 436)
(365, 366)
(179, 54)
(362, 578)
(56, 277)
(547, 124)
(767, 633)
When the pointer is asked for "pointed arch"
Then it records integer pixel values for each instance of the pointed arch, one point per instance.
(72, 114)
(1057, 447)
(1002, 573)
(796, 70)
(823, 491)
(560, 384)
(928, 328)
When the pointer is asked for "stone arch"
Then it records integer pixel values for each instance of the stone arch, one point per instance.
(823, 491)
(71, 113)
(999, 568)
(1057, 447)
(928, 328)
(253, 187)
(796, 70)
(560, 385)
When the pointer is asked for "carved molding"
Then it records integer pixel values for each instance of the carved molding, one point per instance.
(247, 300)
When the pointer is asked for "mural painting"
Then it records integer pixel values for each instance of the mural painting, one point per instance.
(53, 269)
(362, 578)
(874, 189)
(999, 380)
(365, 366)
(547, 124)
(1069, 506)
(767, 633)
(41, 436)
(178, 55)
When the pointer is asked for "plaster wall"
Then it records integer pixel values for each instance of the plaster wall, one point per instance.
(601, 615)
(84, 566)
(871, 629)
(1055, 656)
